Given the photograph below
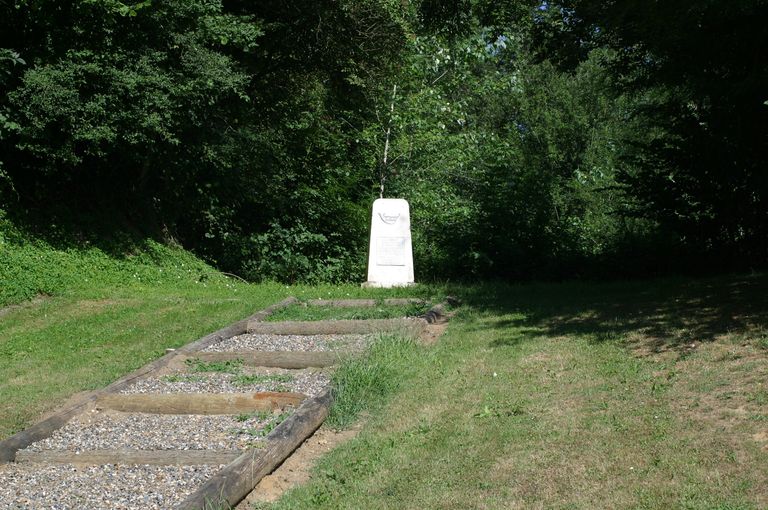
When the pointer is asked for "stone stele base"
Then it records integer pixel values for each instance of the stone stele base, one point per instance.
(385, 285)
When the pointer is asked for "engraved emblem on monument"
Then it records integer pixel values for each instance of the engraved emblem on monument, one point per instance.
(389, 219)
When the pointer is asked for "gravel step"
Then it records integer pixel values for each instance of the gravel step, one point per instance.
(304, 343)
(125, 456)
(107, 487)
(308, 382)
(105, 430)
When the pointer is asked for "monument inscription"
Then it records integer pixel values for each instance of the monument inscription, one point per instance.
(390, 251)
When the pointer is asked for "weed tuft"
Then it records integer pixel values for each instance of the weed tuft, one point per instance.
(258, 415)
(364, 382)
(248, 380)
(182, 378)
(226, 367)
(264, 431)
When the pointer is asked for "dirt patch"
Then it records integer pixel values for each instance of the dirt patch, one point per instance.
(431, 333)
(76, 399)
(297, 468)
(28, 304)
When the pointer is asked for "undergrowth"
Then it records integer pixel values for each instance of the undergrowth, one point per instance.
(30, 266)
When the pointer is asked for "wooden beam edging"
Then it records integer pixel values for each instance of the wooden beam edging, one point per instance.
(41, 430)
(233, 483)
(337, 327)
(277, 359)
(45, 428)
(129, 457)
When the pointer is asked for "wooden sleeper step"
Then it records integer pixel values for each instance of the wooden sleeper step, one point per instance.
(129, 457)
(200, 403)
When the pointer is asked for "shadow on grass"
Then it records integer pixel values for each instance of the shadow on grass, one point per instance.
(667, 314)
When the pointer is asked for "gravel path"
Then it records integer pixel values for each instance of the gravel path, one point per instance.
(309, 382)
(110, 429)
(314, 343)
(66, 487)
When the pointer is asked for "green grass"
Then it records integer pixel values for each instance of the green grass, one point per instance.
(624, 395)
(72, 343)
(363, 383)
(249, 379)
(232, 366)
(175, 378)
(302, 312)
(259, 415)
(274, 421)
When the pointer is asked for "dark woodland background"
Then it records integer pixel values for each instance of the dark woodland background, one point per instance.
(533, 139)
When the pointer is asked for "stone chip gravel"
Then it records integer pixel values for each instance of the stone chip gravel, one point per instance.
(304, 343)
(103, 430)
(108, 487)
(308, 382)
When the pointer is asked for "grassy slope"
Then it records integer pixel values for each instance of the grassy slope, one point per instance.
(642, 395)
(100, 317)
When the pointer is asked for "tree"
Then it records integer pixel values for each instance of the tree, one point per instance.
(694, 158)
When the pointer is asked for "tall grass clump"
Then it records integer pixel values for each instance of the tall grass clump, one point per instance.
(363, 383)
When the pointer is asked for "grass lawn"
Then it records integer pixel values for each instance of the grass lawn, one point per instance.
(63, 345)
(630, 395)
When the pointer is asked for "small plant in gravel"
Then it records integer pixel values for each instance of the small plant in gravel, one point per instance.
(251, 379)
(266, 429)
(272, 425)
(182, 378)
(259, 415)
(227, 367)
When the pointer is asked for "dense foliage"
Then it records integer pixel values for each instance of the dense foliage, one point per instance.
(532, 138)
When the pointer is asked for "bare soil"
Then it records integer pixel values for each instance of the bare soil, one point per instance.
(32, 302)
(297, 468)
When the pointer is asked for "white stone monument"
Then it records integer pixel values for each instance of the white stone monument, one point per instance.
(390, 256)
